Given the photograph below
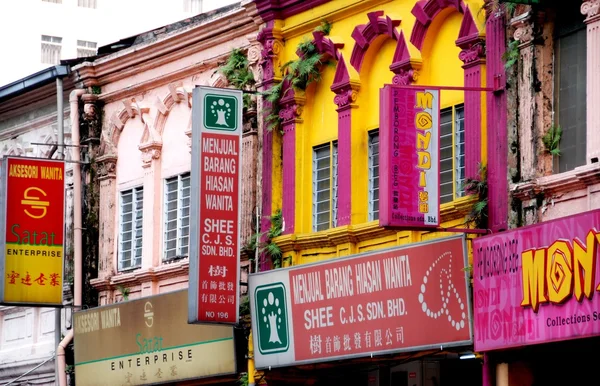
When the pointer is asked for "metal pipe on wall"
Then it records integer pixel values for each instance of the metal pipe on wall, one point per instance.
(77, 229)
(61, 141)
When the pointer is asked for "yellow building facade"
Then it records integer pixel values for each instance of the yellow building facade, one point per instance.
(320, 160)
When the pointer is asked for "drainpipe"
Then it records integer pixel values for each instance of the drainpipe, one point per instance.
(61, 141)
(77, 228)
(251, 369)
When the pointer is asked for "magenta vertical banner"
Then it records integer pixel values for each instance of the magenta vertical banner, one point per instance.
(537, 284)
(409, 157)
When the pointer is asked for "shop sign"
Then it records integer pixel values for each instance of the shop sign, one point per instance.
(148, 341)
(407, 298)
(215, 206)
(537, 284)
(32, 221)
(409, 157)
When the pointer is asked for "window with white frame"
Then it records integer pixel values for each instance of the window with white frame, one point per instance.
(177, 217)
(325, 186)
(85, 48)
(51, 47)
(131, 226)
(86, 3)
(193, 6)
(452, 153)
(374, 175)
(570, 83)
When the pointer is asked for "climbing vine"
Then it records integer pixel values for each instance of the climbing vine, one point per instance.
(237, 71)
(298, 73)
(268, 246)
(479, 186)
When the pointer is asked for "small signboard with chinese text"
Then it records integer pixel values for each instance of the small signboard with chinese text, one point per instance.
(32, 221)
(402, 299)
(409, 157)
(215, 206)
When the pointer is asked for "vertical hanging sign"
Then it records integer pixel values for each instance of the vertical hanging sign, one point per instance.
(213, 296)
(409, 157)
(32, 222)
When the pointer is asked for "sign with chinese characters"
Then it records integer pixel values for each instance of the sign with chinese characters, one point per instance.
(148, 341)
(407, 298)
(537, 284)
(32, 221)
(215, 206)
(409, 159)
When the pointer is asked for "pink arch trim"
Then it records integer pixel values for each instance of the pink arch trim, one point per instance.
(425, 11)
(364, 35)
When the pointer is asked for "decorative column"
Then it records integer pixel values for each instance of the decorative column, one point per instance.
(270, 39)
(107, 248)
(524, 34)
(472, 54)
(591, 10)
(290, 113)
(346, 93)
(473, 57)
(151, 162)
(497, 135)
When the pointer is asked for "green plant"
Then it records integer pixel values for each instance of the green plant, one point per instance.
(124, 292)
(479, 186)
(243, 379)
(551, 140)
(96, 90)
(298, 74)
(268, 246)
(511, 56)
(497, 7)
(237, 71)
(244, 306)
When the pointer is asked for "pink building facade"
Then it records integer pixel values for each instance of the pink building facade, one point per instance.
(144, 164)
(552, 65)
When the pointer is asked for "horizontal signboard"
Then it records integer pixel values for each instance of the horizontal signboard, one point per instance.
(215, 206)
(402, 299)
(409, 157)
(537, 284)
(32, 221)
(148, 341)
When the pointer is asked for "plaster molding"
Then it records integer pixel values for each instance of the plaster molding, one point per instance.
(292, 107)
(405, 77)
(150, 151)
(145, 56)
(405, 68)
(254, 59)
(107, 166)
(473, 54)
(577, 179)
(345, 85)
(272, 46)
(590, 9)
(144, 275)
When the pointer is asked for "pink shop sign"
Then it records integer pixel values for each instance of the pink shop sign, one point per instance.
(537, 284)
(409, 157)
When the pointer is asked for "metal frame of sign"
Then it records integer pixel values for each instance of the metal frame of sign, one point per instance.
(195, 221)
(3, 214)
(441, 345)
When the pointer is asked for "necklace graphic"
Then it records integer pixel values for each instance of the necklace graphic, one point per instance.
(447, 291)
